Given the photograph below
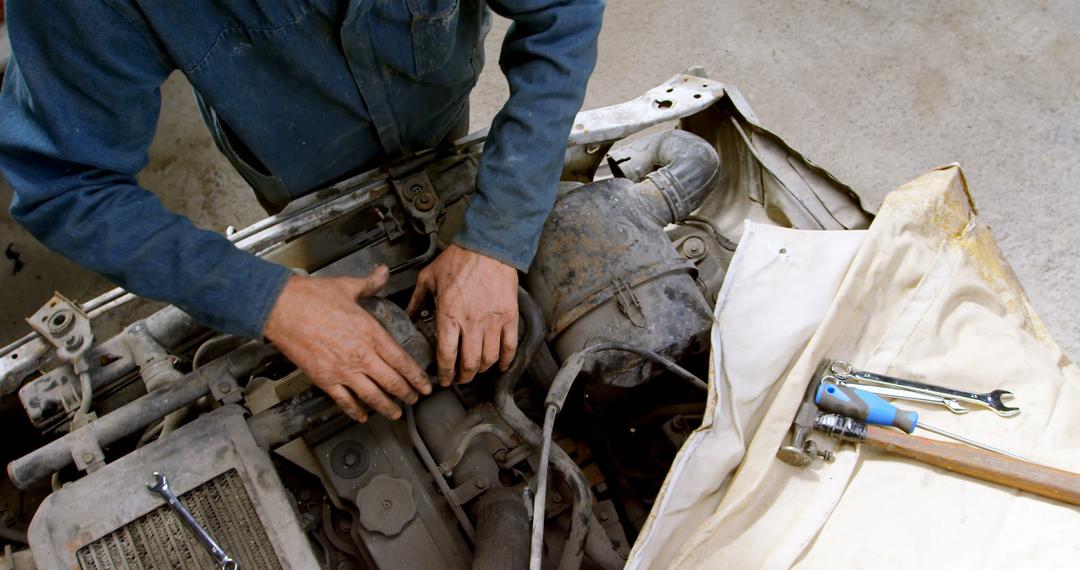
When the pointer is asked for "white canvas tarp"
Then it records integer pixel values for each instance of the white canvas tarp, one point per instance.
(923, 294)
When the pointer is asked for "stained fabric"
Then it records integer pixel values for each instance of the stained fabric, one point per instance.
(927, 295)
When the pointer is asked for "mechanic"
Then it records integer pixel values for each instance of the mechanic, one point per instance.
(298, 94)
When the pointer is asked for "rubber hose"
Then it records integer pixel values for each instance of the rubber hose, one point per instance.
(502, 531)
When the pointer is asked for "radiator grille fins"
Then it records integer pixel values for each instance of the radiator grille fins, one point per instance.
(159, 540)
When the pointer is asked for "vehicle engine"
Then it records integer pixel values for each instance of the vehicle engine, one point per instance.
(633, 256)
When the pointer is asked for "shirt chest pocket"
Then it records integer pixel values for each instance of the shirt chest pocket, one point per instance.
(435, 32)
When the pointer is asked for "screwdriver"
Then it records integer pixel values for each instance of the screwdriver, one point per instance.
(870, 408)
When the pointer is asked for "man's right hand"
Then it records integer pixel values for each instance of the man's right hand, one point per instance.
(317, 324)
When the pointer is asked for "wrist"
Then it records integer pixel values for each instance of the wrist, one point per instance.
(278, 317)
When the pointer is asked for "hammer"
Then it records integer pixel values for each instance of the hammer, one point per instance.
(984, 465)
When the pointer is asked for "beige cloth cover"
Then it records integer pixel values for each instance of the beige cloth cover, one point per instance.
(924, 294)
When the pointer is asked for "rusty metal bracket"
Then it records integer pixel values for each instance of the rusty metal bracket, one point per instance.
(85, 450)
(226, 390)
(419, 199)
(66, 326)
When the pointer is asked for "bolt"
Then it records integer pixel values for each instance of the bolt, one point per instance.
(74, 341)
(414, 190)
(603, 517)
(350, 459)
(694, 247)
(87, 457)
(424, 201)
(224, 387)
(501, 456)
(826, 455)
(481, 483)
(556, 498)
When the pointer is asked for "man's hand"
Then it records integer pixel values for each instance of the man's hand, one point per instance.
(476, 304)
(317, 324)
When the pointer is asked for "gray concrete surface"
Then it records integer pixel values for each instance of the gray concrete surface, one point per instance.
(876, 92)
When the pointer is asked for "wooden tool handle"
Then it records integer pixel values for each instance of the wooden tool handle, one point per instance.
(993, 467)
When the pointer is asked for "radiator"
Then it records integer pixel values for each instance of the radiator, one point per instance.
(159, 540)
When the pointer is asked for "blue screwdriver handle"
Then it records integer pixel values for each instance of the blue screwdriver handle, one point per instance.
(861, 405)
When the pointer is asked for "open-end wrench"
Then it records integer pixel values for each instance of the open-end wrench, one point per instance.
(994, 400)
(897, 393)
(160, 486)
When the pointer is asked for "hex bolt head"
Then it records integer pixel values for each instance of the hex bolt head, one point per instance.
(224, 387)
(694, 247)
(424, 201)
(87, 457)
(481, 483)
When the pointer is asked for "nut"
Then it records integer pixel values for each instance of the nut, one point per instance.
(61, 322)
(424, 201)
(74, 341)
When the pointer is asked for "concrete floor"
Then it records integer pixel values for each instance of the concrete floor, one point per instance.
(876, 92)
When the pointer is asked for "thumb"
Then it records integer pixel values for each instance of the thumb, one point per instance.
(360, 287)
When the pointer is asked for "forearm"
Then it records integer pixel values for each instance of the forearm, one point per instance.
(547, 58)
(124, 233)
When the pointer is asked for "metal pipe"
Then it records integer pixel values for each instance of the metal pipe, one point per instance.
(582, 520)
(137, 414)
(429, 462)
(536, 544)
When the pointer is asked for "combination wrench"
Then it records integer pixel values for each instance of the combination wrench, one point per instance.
(994, 400)
(160, 487)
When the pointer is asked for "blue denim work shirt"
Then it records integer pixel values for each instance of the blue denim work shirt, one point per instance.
(314, 89)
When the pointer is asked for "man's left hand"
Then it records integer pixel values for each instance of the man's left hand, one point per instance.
(475, 308)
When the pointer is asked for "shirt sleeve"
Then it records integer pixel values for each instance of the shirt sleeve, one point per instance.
(547, 57)
(79, 107)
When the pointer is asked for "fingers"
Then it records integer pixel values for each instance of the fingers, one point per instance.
(509, 343)
(370, 394)
(347, 402)
(360, 287)
(423, 285)
(492, 346)
(402, 364)
(472, 343)
(446, 336)
(389, 380)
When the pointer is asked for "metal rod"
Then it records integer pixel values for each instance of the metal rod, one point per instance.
(536, 546)
(433, 468)
(970, 442)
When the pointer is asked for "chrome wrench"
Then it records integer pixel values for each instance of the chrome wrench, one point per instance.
(160, 486)
(889, 392)
(994, 400)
